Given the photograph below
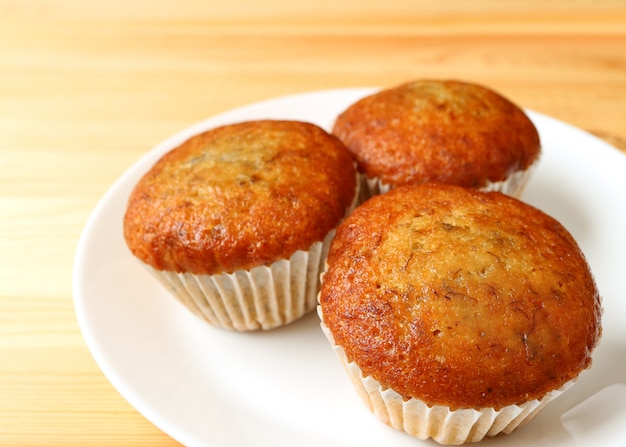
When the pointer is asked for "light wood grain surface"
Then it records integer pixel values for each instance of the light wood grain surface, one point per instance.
(88, 87)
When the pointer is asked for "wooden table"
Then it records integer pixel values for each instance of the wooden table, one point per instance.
(88, 87)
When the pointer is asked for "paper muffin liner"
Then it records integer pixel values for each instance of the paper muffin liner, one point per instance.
(513, 185)
(263, 297)
(443, 425)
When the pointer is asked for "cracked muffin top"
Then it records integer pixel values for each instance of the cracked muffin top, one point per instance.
(459, 297)
(240, 196)
(438, 131)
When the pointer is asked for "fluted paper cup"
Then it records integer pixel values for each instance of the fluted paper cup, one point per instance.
(513, 185)
(263, 297)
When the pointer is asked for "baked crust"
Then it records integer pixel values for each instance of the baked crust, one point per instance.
(240, 196)
(438, 131)
(459, 297)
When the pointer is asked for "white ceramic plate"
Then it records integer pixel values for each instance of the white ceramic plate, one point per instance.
(208, 387)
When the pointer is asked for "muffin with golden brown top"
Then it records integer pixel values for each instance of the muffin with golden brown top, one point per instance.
(236, 220)
(439, 131)
(458, 313)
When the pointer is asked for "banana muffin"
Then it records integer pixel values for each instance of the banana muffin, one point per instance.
(458, 313)
(444, 131)
(236, 221)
